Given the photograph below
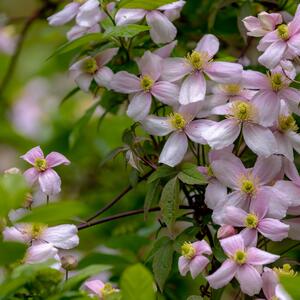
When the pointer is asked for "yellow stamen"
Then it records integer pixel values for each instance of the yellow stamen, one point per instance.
(40, 164)
(34, 230)
(240, 257)
(248, 186)
(107, 290)
(286, 270)
(90, 66)
(187, 250)
(287, 123)
(242, 111)
(197, 59)
(210, 171)
(283, 31)
(277, 81)
(177, 121)
(251, 221)
(232, 89)
(146, 83)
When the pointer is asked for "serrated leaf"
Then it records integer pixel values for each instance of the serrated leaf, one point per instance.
(137, 282)
(149, 5)
(162, 263)
(152, 196)
(169, 201)
(10, 252)
(126, 31)
(191, 175)
(162, 172)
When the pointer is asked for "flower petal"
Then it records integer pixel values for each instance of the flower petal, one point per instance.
(55, 159)
(124, 82)
(84, 81)
(258, 257)
(215, 194)
(33, 154)
(94, 286)
(209, 44)
(103, 77)
(150, 65)
(197, 265)
(50, 182)
(202, 247)
(165, 51)
(159, 126)
(234, 216)
(273, 229)
(175, 69)
(106, 56)
(129, 16)
(183, 265)
(89, 14)
(255, 80)
(196, 129)
(166, 92)
(31, 175)
(139, 106)
(65, 15)
(232, 244)
(294, 231)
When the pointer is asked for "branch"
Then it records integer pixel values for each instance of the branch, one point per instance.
(122, 215)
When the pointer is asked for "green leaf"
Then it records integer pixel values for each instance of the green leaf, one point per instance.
(80, 125)
(162, 263)
(137, 283)
(187, 235)
(13, 190)
(127, 31)
(149, 5)
(159, 243)
(291, 285)
(55, 212)
(152, 196)
(194, 298)
(169, 202)
(162, 172)
(10, 252)
(191, 175)
(217, 294)
(76, 281)
(69, 95)
(82, 41)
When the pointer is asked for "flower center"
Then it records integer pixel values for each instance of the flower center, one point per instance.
(240, 257)
(40, 164)
(108, 290)
(251, 221)
(277, 81)
(247, 186)
(197, 59)
(90, 66)
(286, 270)
(287, 123)
(36, 230)
(232, 89)
(283, 31)
(187, 250)
(242, 111)
(146, 83)
(177, 121)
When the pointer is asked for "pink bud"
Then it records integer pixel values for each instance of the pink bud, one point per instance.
(226, 231)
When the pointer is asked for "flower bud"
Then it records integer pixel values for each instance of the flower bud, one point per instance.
(69, 262)
(226, 231)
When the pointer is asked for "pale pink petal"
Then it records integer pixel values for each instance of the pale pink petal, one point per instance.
(129, 16)
(281, 293)
(65, 15)
(174, 149)
(139, 106)
(270, 281)
(259, 139)
(175, 69)
(14, 235)
(159, 126)
(197, 265)
(33, 154)
(234, 216)
(103, 77)
(94, 286)
(106, 56)
(215, 194)
(226, 231)
(291, 171)
(294, 231)
(166, 50)
(273, 229)
(62, 236)
(249, 236)
(222, 134)
(232, 244)
(40, 253)
(238, 199)
(183, 265)
(269, 21)
(124, 82)
(295, 140)
(258, 257)
(294, 25)
(193, 89)
(267, 40)
(172, 5)
(84, 81)
(273, 54)
(150, 65)
(55, 159)
(259, 206)
(223, 109)
(253, 26)
(161, 29)
(224, 72)
(290, 190)
(294, 45)
(255, 80)
(195, 130)
(284, 145)
(292, 98)
(89, 14)
(209, 44)
(229, 172)
(266, 169)
(166, 92)
(50, 182)
(249, 279)
(190, 111)
(202, 247)
(31, 175)
(77, 31)
(223, 275)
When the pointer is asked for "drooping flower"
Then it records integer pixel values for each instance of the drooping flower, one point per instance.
(61, 236)
(100, 289)
(241, 116)
(241, 264)
(195, 66)
(281, 43)
(193, 259)
(263, 24)
(181, 125)
(93, 67)
(160, 20)
(145, 86)
(42, 170)
(226, 231)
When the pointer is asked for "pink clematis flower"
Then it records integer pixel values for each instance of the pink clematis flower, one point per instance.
(241, 116)
(162, 29)
(98, 288)
(281, 43)
(273, 88)
(86, 12)
(241, 264)
(61, 236)
(226, 231)
(89, 68)
(195, 65)
(182, 126)
(77, 31)
(263, 24)
(192, 258)
(256, 220)
(42, 170)
(144, 87)
(249, 184)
